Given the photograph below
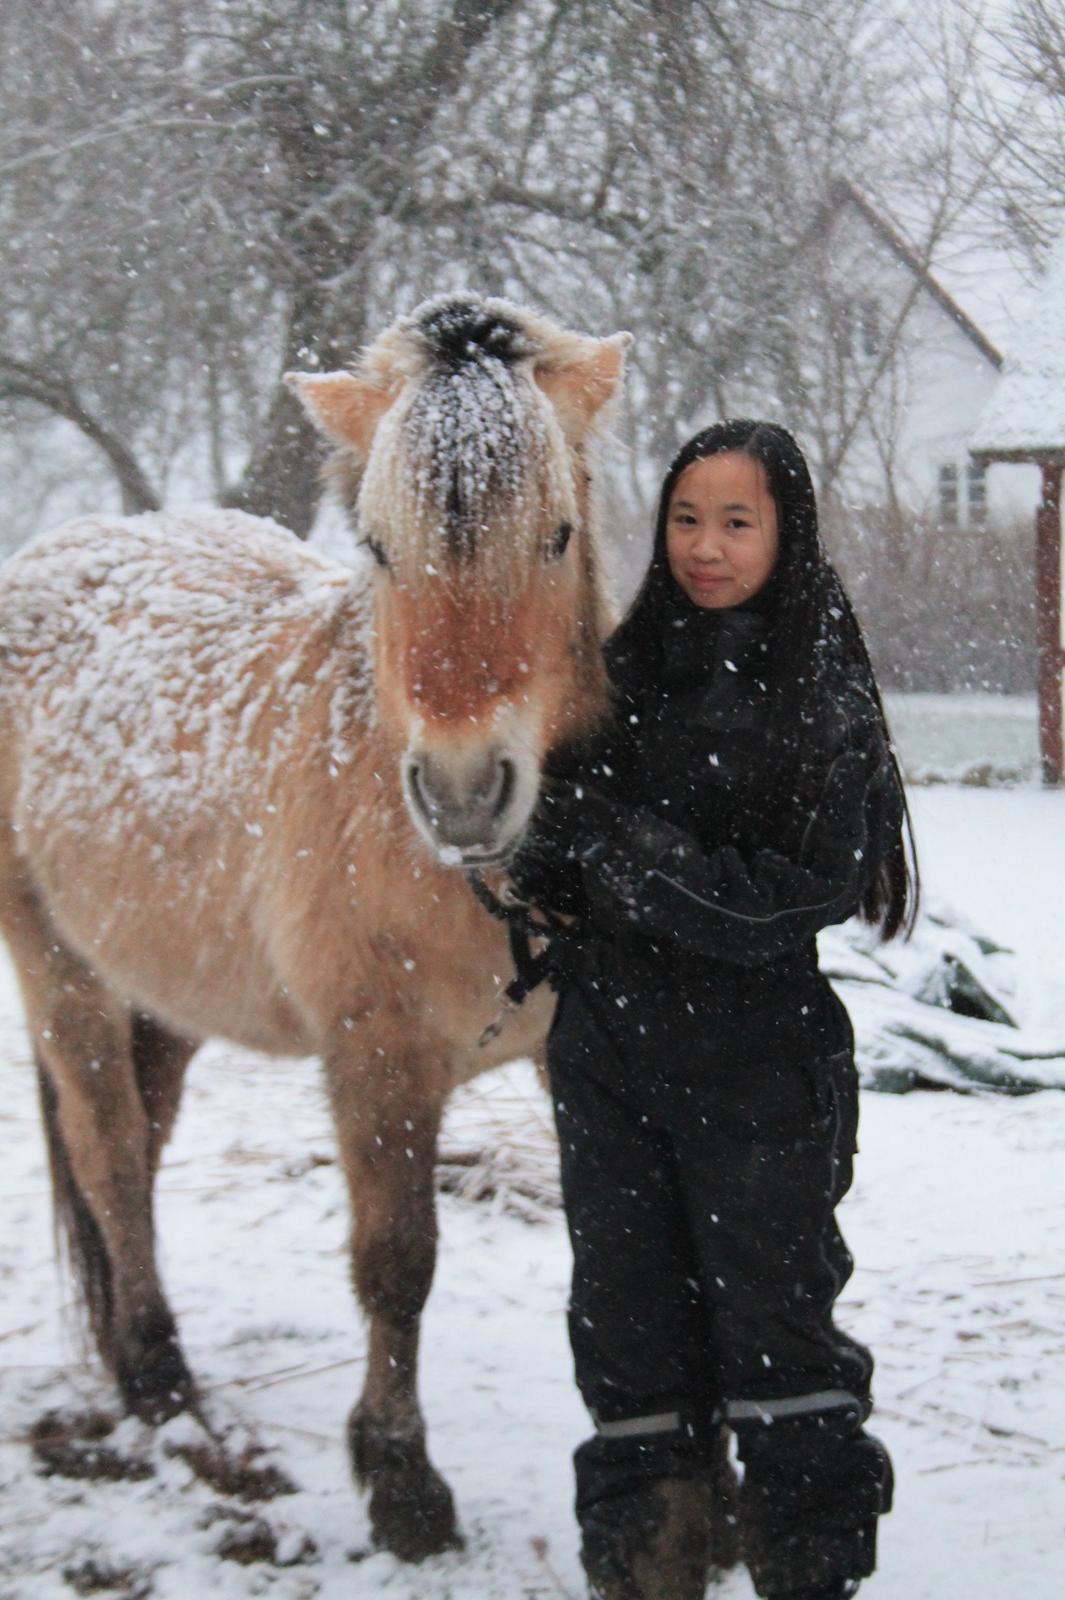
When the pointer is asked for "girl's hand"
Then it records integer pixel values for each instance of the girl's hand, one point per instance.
(587, 820)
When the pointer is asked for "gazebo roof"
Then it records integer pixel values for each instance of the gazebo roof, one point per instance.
(1024, 420)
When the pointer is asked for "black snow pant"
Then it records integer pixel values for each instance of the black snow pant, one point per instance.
(704, 1147)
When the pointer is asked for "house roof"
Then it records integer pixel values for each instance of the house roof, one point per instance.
(844, 192)
(1024, 419)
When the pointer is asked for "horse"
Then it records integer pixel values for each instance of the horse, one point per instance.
(242, 786)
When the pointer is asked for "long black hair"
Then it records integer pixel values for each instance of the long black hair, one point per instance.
(813, 633)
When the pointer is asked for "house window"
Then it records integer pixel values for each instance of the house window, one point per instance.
(948, 495)
(977, 487)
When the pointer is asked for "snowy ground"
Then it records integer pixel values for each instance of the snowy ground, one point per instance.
(957, 1220)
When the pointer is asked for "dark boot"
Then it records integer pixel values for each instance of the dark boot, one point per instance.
(810, 1503)
(813, 1569)
(654, 1544)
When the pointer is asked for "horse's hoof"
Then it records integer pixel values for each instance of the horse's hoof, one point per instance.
(413, 1516)
(159, 1385)
(412, 1512)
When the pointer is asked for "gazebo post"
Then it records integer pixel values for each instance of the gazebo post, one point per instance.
(1024, 421)
(1048, 620)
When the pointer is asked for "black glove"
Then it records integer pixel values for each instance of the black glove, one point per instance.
(585, 818)
(570, 824)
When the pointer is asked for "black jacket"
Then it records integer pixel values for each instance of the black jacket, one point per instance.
(687, 835)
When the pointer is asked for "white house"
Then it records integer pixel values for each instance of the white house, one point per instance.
(929, 371)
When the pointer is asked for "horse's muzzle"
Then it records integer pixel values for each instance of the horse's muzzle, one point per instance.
(468, 810)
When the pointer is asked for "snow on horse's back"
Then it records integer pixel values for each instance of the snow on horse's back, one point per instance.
(236, 779)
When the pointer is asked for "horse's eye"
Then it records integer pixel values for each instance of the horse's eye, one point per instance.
(377, 550)
(555, 547)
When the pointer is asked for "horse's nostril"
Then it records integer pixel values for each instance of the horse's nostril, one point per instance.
(421, 799)
(506, 786)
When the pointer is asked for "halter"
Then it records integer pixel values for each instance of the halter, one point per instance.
(522, 928)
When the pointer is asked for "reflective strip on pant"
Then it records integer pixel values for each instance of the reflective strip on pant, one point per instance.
(633, 1427)
(795, 1406)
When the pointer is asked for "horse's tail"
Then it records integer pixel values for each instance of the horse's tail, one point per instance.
(77, 1233)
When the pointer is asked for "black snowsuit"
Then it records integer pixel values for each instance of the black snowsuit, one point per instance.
(706, 1098)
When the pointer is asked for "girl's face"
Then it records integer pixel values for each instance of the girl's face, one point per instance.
(722, 530)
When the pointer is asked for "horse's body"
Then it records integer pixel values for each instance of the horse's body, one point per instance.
(213, 841)
(222, 759)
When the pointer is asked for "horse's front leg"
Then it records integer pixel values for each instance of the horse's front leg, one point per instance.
(387, 1100)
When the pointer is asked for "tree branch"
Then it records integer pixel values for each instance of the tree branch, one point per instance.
(21, 381)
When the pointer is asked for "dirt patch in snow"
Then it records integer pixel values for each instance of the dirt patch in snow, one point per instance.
(69, 1444)
(237, 1476)
(97, 1577)
(247, 1539)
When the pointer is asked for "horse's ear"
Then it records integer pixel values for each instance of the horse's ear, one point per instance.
(342, 406)
(580, 387)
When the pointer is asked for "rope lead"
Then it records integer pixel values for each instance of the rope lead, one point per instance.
(530, 970)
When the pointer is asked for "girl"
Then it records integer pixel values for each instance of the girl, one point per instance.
(744, 796)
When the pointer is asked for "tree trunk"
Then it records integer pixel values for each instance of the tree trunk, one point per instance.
(283, 477)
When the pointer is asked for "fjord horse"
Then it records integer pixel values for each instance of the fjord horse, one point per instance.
(236, 782)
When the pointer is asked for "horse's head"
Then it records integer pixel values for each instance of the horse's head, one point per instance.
(463, 434)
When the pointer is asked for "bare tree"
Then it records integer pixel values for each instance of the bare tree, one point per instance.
(175, 188)
(197, 199)
(1019, 105)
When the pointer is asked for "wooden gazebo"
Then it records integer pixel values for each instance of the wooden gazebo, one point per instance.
(1024, 420)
